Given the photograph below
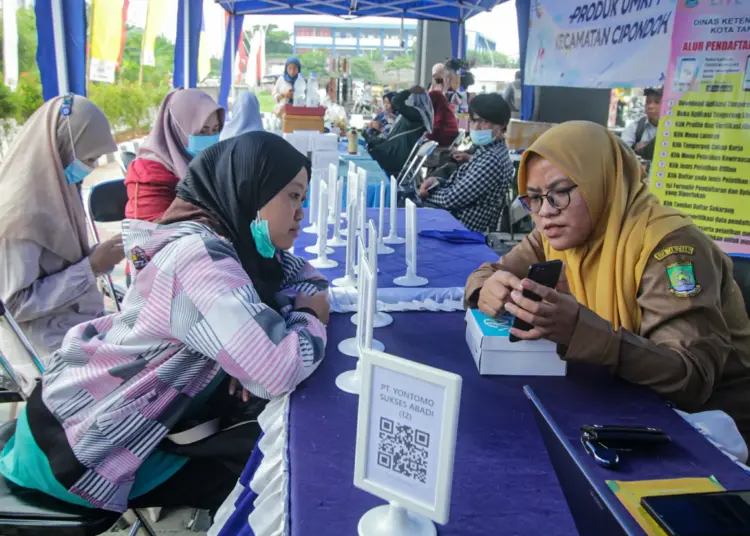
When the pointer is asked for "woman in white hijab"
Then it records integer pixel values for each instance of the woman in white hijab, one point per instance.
(47, 269)
(245, 117)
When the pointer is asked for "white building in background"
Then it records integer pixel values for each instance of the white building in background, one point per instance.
(354, 38)
(491, 79)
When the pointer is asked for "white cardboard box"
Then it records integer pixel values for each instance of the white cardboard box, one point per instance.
(494, 354)
(322, 159)
(325, 142)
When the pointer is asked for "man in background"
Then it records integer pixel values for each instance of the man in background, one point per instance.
(475, 192)
(641, 135)
(512, 95)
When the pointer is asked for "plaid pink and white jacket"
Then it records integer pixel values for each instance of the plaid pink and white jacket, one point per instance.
(121, 382)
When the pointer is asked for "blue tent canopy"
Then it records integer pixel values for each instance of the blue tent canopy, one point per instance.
(445, 10)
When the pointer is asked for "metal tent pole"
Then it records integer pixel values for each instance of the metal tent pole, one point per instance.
(58, 28)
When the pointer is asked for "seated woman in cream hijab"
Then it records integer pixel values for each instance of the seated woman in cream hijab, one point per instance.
(47, 269)
(645, 295)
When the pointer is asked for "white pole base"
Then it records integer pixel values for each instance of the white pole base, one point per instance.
(347, 281)
(383, 249)
(394, 240)
(410, 280)
(381, 320)
(314, 250)
(337, 242)
(349, 347)
(349, 381)
(311, 229)
(394, 520)
(321, 262)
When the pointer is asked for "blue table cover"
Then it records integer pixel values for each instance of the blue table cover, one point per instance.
(503, 481)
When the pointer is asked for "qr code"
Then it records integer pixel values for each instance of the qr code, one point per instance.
(403, 450)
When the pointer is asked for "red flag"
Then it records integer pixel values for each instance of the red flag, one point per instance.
(242, 67)
(125, 5)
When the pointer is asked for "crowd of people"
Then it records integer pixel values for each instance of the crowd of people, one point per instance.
(221, 318)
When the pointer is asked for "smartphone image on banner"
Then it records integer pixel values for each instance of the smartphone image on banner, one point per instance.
(687, 69)
(746, 83)
(544, 273)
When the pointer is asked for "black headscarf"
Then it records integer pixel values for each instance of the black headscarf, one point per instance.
(232, 181)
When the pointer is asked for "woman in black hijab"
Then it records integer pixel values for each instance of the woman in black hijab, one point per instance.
(215, 296)
(236, 182)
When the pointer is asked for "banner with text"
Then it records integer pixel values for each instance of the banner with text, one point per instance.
(702, 157)
(598, 43)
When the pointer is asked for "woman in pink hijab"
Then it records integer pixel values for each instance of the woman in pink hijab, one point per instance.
(187, 122)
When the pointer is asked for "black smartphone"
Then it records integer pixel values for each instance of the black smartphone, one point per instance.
(724, 513)
(544, 273)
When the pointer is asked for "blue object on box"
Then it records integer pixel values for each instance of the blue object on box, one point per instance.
(493, 327)
(456, 236)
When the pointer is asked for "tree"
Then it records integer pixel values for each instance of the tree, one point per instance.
(314, 62)
(156, 75)
(277, 41)
(26, 21)
(362, 68)
(399, 63)
(492, 58)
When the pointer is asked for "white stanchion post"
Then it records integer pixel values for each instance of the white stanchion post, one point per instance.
(382, 248)
(381, 319)
(351, 194)
(393, 237)
(337, 241)
(411, 279)
(313, 208)
(333, 210)
(322, 260)
(321, 205)
(349, 279)
(367, 299)
(361, 229)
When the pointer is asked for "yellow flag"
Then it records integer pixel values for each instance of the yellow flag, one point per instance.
(204, 52)
(154, 18)
(204, 57)
(106, 39)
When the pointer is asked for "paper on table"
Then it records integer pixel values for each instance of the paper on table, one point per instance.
(630, 494)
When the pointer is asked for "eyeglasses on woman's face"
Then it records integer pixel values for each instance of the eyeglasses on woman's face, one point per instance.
(558, 198)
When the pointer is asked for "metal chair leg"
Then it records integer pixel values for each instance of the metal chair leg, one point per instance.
(141, 522)
(135, 528)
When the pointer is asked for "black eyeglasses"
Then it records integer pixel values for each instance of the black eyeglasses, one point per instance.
(558, 198)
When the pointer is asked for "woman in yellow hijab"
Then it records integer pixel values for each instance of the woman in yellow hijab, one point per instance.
(644, 293)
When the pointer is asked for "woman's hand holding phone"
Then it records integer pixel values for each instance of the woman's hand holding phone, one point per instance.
(553, 318)
(496, 292)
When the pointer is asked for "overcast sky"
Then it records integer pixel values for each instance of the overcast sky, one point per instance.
(499, 25)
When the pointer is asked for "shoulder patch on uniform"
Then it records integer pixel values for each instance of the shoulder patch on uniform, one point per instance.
(138, 258)
(682, 281)
(672, 250)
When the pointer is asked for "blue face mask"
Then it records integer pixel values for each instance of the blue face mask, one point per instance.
(482, 137)
(262, 238)
(77, 171)
(198, 143)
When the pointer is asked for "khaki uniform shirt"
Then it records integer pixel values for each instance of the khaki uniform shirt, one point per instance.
(692, 347)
